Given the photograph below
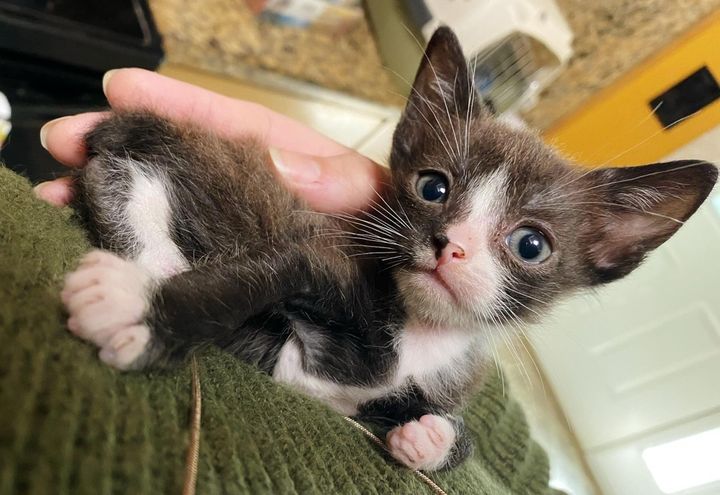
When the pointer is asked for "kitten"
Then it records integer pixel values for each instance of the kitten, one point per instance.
(386, 315)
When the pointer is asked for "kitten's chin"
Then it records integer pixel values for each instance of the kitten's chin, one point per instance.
(432, 298)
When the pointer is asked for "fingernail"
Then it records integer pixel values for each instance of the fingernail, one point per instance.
(43, 134)
(106, 79)
(48, 125)
(295, 166)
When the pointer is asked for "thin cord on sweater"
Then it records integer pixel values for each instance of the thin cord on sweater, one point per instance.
(193, 452)
(381, 444)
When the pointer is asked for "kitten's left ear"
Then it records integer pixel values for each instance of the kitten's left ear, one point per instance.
(442, 92)
(633, 210)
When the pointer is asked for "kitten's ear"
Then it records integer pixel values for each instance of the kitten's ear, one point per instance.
(442, 92)
(633, 210)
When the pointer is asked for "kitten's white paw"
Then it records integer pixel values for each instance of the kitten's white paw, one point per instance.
(423, 444)
(106, 299)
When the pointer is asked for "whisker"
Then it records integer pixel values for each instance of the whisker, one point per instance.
(440, 88)
(628, 207)
(355, 220)
(431, 106)
(522, 294)
(522, 339)
(592, 169)
(630, 179)
(663, 129)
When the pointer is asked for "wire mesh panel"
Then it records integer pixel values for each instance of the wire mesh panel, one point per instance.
(510, 73)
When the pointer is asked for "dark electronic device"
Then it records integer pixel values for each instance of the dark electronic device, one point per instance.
(688, 96)
(52, 57)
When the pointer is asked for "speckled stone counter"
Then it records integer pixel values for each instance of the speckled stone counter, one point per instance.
(611, 37)
(223, 36)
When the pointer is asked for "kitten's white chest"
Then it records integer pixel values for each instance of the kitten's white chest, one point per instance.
(424, 352)
(426, 356)
(343, 398)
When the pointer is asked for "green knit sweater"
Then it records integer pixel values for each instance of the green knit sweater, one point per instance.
(69, 424)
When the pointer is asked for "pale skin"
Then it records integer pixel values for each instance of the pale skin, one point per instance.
(328, 175)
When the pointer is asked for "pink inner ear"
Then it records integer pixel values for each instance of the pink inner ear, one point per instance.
(628, 233)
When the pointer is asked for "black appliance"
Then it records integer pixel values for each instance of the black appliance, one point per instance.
(53, 54)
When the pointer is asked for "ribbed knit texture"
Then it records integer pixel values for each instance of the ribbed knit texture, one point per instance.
(70, 425)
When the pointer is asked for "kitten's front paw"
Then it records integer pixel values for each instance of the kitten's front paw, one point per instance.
(423, 444)
(106, 299)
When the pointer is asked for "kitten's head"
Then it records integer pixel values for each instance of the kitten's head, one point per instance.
(490, 224)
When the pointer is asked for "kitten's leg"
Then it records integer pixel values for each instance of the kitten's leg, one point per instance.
(419, 434)
(129, 204)
(106, 295)
(136, 322)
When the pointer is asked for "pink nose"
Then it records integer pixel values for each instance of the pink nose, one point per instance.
(450, 253)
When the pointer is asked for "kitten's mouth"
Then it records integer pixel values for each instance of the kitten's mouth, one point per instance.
(438, 282)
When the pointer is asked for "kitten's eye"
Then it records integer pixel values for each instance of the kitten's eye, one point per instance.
(529, 244)
(433, 187)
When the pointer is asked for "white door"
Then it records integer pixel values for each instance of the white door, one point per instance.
(637, 365)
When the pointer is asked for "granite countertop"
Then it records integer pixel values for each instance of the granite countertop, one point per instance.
(223, 36)
(612, 37)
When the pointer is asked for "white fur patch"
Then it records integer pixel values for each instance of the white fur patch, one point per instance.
(428, 356)
(489, 197)
(425, 351)
(343, 398)
(148, 215)
(437, 357)
(483, 276)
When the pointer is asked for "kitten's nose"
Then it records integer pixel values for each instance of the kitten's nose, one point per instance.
(439, 241)
(450, 252)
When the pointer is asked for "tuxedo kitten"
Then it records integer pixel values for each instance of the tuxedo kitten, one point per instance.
(387, 314)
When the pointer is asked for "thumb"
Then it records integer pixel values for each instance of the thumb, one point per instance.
(345, 182)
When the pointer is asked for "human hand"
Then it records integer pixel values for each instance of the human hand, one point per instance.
(328, 175)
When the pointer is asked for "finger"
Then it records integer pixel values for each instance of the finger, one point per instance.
(346, 182)
(58, 192)
(136, 89)
(64, 137)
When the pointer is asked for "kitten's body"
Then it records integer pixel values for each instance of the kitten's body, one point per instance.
(386, 314)
(322, 320)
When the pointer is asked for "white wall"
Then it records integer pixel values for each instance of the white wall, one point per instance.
(638, 363)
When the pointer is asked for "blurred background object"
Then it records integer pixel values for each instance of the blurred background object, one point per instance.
(334, 16)
(52, 57)
(515, 47)
(5, 113)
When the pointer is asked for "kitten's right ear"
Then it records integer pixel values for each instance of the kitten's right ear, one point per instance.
(442, 95)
